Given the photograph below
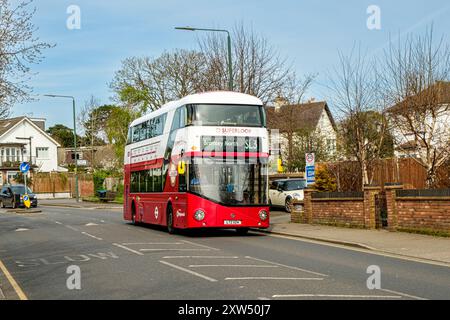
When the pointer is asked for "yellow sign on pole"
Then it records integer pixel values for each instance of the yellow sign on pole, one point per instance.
(26, 201)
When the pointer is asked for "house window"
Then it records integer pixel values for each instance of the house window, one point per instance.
(331, 144)
(42, 153)
(73, 156)
(11, 175)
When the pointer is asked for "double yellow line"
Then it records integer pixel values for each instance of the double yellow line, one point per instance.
(12, 281)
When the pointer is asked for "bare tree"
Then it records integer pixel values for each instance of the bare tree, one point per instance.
(148, 83)
(19, 48)
(355, 94)
(258, 68)
(414, 74)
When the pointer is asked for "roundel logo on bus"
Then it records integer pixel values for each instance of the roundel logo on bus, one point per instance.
(156, 213)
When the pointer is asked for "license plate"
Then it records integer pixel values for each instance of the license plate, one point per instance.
(234, 222)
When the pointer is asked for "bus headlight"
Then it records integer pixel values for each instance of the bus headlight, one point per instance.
(263, 215)
(199, 215)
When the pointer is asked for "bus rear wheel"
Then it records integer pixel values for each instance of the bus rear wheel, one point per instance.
(170, 227)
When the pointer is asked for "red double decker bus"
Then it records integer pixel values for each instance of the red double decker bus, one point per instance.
(199, 162)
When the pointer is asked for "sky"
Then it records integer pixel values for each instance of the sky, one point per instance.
(308, 33)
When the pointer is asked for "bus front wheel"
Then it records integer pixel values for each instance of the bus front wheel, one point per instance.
(242, 231)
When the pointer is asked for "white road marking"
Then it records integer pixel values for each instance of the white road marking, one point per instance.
(232, 265)
(200, 257)
(22, 229)
(290, 267)
(403, 294)
(274, 278)
(12, 281)
(263, 298)
(334, 296)
(128, 249)
(72, 228)
(170, 249)
(151, 243)
(188, 271)
(90, 224)
(200, 245)
(92, 236)
(57, 222)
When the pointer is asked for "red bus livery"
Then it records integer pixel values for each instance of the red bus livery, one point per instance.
(199, 162)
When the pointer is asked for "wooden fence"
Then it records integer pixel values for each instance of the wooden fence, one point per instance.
(406, 171)
(54, 183)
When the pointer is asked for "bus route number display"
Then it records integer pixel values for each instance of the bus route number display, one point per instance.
(231, 144)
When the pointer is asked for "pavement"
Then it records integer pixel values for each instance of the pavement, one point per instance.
(43, 254)
(72, 203)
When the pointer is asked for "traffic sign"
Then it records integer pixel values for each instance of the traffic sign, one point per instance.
(310, 175)
(24, 167)
(310, 158)
(26, 200)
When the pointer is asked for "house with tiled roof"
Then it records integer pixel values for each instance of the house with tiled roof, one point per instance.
(311, 118)
(429, 113)
(23, 139)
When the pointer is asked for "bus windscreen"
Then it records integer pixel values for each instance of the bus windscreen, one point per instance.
(228, 115)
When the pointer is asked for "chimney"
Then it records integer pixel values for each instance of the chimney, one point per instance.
(39, 122)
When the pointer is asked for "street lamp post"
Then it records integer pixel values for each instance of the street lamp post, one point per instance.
(230, 65)
(74, 139)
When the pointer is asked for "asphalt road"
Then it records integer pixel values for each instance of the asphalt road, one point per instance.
(120, 261)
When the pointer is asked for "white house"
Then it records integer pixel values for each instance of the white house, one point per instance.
(431, 124)
(308, 123)
(25, 139)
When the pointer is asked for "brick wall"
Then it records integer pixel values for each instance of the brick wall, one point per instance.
(424, 214)
(338, 208)
(347, 212)
(421, 211)
(424, 211)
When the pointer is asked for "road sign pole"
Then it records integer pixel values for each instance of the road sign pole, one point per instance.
(25, 182)
(24, 168)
